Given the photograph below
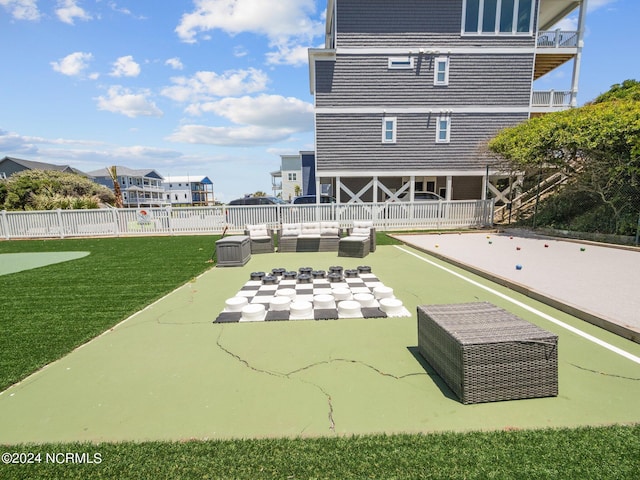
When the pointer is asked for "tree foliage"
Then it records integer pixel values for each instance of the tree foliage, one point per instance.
(50, 190)
(597, 144)
(627, 90)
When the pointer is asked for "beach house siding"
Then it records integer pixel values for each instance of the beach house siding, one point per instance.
(356, 87)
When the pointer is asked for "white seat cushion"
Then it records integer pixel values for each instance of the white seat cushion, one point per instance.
(291, 229)
(362, 224)
(310, 229)
(329, 229)
(258, 231)
(361, 231)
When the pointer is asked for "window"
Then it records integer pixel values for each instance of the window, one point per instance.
(3, 176)
(292, 177)
(443, 130)
(441, 71)
(389, 130)
(494, 17)
(399, 63)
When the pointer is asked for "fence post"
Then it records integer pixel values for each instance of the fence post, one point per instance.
(169, 212)
(5, 225)
(60, 222)
(116, 222)
(638, 231)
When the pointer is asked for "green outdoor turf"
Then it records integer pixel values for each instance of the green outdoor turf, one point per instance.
(583, 453)
(608, 452)
(48, 311)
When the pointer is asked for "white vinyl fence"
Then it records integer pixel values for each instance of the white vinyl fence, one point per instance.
(214, 220)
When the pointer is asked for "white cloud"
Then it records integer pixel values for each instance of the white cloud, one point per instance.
(69, 10)
(125, 11)
(289, 54)
(282, 19)
(595, 4)
(125, 67)
(73, 64)
(140, 151)
(229, 136)
(22, 9)
(240, 51)
(288, 24)
(122, 100)
(261, 120)
(175, 63)
(206, 85)
(264, 111)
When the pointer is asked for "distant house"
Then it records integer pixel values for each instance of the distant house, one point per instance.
(296, 170)
(11, 165)
(190, 190)
(140, 187)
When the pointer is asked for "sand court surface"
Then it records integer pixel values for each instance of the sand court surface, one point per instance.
(595, 280)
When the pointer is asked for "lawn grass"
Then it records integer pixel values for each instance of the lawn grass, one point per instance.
(583, 453)
(46, 312)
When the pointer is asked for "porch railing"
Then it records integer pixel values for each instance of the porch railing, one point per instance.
(551, 98)
(214, 220)
(557, 39)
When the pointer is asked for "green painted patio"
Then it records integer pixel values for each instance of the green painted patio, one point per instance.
(169, 373)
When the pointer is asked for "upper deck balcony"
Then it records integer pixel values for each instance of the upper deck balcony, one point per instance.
(554, 48)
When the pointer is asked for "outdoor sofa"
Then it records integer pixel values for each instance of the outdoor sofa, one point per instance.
(309, 237)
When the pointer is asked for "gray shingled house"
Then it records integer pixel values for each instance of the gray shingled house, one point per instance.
(11, 165)
(408, 91)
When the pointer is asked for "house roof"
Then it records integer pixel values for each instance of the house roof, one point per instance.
(33, 165)
(188, 179)
(129, 172)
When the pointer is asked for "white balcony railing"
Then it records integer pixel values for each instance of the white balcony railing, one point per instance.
(557, 39)
(552, 99)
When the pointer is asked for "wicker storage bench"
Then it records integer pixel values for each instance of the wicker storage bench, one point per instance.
(353, 247)
(486, 354)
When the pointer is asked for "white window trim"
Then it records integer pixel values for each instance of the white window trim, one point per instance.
(437, 61)
(497, 32)
(394, 130)
(440, 119)
(400, 63)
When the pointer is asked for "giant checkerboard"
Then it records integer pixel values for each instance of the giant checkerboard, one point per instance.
(364, 281)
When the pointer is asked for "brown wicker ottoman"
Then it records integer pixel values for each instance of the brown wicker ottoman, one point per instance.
(486, 354)
(354, 246)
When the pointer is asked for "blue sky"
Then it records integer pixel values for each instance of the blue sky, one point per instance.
(200, 87)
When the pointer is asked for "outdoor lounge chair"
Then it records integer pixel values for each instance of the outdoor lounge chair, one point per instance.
(261, 238)
(364, 228)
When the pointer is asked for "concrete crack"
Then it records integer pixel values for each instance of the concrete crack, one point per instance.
(357, 362)
(289, 375)
(603, 373)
